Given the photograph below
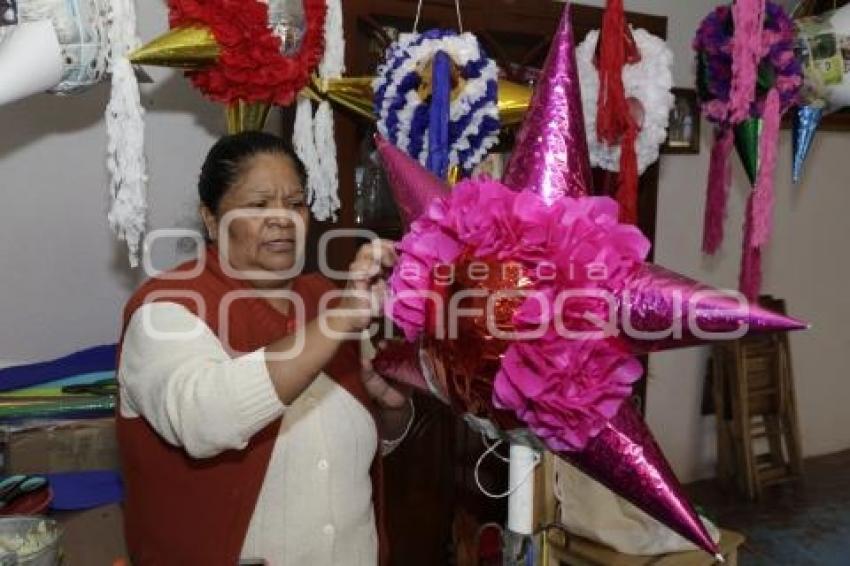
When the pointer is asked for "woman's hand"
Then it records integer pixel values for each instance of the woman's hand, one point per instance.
(366, 290)
(386, 395)
(396, 413)
(363, 298)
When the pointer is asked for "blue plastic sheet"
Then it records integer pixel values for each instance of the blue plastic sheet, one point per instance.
(92, 360)
(73, 491)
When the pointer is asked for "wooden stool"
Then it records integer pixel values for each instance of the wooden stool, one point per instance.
(758, 439)
(582, 552)
(560, 548)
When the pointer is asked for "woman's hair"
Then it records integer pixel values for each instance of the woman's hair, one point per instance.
(225, 160)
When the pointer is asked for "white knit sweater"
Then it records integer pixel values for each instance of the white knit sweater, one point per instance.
(315, 505)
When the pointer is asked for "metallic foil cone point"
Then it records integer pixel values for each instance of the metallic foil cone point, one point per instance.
(247, 116)
(806, 123)
(413, 186)
(625, 458)
(190, 47)
(551, 156)
(747, 136)
(684, 312)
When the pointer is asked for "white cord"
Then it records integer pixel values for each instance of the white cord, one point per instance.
(459, 18)
(419, 14)
(486, 442)
(490, 450)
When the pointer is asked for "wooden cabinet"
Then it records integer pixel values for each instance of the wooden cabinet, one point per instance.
(431, 476)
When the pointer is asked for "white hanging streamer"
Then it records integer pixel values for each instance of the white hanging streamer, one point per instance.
(491, 449)
(326, 202)
(333, 61)
(125, 130)
(311, 134)
(305, 146)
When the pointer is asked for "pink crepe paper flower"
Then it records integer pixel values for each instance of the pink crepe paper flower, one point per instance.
(566, 391)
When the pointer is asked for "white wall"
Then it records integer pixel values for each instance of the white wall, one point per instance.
(63, 278)
(806, 265)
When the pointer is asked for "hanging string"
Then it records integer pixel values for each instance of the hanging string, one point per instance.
(486, 442)
(492, 450)
(802, 7)
(419, 15)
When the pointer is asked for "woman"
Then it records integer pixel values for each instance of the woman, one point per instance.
(247, 431)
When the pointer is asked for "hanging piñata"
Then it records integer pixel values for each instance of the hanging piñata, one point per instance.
(528, 302)
(253, 54)
(748, 77)
(822, 42)
(436, 98)
(627, 126)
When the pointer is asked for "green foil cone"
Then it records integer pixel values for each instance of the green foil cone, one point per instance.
(747, 136)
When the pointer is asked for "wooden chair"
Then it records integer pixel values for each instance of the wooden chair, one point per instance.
(758, 438)
(582, 552)
(559, 548)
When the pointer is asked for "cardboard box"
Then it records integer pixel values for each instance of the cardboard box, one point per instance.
(90, 538)
(67, 447)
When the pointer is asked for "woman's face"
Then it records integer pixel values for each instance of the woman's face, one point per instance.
(258, 215)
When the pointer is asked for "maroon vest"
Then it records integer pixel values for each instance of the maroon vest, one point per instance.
(179, 510)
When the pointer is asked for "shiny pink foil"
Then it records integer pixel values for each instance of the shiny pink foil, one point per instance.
(551, 155)
(551, 159)
(625, 458)
(414, 187)
(681, 312)
(399, 361)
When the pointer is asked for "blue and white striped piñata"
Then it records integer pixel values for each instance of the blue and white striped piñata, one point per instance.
(404, 116)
